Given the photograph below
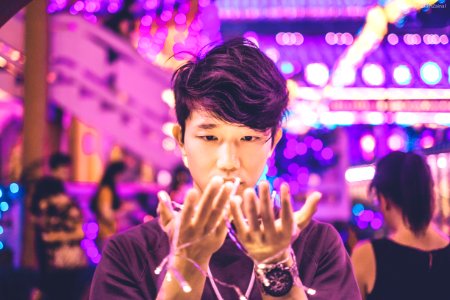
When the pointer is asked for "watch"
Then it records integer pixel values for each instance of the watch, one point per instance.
(278, 279)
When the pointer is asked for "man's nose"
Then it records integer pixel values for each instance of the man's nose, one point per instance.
(228, 158)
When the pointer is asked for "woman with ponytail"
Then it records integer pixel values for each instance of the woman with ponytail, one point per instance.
(413, 261)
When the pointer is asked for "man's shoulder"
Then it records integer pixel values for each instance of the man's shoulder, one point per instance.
(318, 238)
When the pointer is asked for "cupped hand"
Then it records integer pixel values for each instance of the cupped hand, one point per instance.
(199, 228)
(267, 240)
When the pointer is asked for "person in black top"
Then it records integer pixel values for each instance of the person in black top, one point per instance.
(413, 261)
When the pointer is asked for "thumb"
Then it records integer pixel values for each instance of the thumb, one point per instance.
(305, 214)
(165, 209)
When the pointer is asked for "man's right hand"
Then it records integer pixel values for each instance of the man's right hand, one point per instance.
(201, 223)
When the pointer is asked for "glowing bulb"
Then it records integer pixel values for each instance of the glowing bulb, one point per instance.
(186, 287)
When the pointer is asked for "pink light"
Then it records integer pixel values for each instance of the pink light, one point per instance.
(180, 19)
(427, 141)
(113, 7)
(150, 4)
(327, 153)
(317, 145)
(331, 38)
(301, 148)
(366, 215)
(146, 20)
(78, 6)
(376, 224)
(368, 143)
(166, 15)
(396, 142)
(392, 39)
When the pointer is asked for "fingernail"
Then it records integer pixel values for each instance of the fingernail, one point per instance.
(164, 196)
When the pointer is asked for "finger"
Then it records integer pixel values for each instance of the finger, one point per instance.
(267, 216)
(305, 214)
(165, 209)
(238, 217)
(250, 209)
(187, 213)
(217, 211)
(207, 200)
(287, 218)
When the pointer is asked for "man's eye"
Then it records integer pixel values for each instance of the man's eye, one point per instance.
(209, 138)
(249, 138)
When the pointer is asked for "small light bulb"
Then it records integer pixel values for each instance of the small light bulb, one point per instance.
(186, 287)
(158, 271)
(310, 291)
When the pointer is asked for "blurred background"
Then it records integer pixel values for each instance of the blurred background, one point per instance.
(365, 78)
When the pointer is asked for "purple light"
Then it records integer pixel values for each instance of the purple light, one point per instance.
(203, 3)
(289, 153)
(317, 145)
(92, 227)
(376, 224)
(180, 19)
(294, 187)
(78, 6)
(92, 251)
(361, 224)
(272, 171)
(301, 148)
(327, 153)
(366, 216)
(150, 4)
(96, 259)
(166, 15)
(113, 7)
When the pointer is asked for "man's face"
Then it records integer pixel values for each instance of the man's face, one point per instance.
(62, 172)
(214, 148)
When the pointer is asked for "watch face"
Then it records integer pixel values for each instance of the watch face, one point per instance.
(281, 282)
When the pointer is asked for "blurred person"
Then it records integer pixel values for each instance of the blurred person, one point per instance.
(60, 166)
(181, 183)
(106, 201)
(413, 261)
(229, 104)
(63, 265)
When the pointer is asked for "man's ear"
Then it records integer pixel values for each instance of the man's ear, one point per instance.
(276, 138)
(384, 202)
(178, 136)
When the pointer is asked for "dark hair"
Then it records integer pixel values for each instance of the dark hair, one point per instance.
(59, 159)
(405, 180)
(235, 82)
(45, 187)
(108, 180)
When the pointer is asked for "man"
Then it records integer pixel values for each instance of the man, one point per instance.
(60, 165)
(229, 106)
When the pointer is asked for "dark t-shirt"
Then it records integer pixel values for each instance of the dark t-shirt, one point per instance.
(404, 272)
(126, 270)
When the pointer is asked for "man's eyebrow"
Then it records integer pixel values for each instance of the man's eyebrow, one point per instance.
(207, 126)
